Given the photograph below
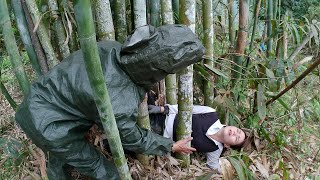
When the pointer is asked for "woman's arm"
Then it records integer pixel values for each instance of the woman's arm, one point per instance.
(213, 160)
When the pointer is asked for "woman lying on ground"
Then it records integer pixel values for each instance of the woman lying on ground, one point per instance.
(209, 135)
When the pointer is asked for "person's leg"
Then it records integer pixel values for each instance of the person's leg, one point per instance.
(55, 168)
(66, 142)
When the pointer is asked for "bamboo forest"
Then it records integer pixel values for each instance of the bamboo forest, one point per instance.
(72, 87)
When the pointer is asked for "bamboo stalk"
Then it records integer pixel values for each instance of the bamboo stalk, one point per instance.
(129, 15)
(42, 33)
(120, 20)
(12, 48)
(59, 29)
(231, 18)
(175, 9)
(90, 52)
(105, 28)
(241, 40)
(269, 26)
(170, 80)
(35, 40)
(155, 13)
(140, 13)
(25, 36)
(143, 122)
(208, 44)
(185, 92)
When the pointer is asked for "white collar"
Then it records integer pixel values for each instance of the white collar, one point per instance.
(214, 128)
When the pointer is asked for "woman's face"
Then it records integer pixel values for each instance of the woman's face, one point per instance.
(233, 135)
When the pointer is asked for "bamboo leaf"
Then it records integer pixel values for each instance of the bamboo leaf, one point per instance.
(285, 105)
(315, 32)
(202, 72)
(261, 102)
(238, 167)
(215, 71)
(295, 34)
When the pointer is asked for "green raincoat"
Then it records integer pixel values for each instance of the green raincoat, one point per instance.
(60, 108)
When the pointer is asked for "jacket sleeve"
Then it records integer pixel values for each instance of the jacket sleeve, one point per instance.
(141, 140)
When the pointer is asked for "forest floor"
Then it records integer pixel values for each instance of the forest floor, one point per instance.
(291, 154)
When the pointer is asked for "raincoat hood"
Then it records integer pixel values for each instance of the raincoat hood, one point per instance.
(149, 54)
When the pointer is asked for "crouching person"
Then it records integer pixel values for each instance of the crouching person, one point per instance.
(60, 108)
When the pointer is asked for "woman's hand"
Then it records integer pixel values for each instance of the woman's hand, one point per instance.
(182, 147)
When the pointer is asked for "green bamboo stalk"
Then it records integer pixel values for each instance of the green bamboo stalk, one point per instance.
(129, 15)
(155, 13)
(241, 40)
(140, 13)
(269, 26)
(231, 26)
(90, 52)
(175, 8)
(59, 29)
(187, 16)
(140, 19)
(254, 28)
(25, 36)
(105, 28)
(275, 9)
(12, 48)
(42, 33)
(285, 36)
(208, 44)
(170, 80)
(6, 94)
(35, 40)
(120, 20)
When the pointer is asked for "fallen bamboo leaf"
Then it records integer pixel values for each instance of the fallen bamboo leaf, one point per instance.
(226, 169)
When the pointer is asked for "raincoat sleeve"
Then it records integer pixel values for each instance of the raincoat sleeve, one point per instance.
(141, 140)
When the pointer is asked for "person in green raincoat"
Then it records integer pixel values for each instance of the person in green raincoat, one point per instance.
(60, 108)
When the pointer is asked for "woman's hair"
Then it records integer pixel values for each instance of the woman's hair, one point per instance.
(245, 141)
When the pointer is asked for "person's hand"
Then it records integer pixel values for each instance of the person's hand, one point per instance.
(182, 147)
(155, 109)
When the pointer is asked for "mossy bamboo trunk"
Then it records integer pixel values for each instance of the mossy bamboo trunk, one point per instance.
(155, 12)
(208, 44)
(269, 26)
(140, 19)
(241, 40)
(42, 33)
(105, 28)
(25, 35)
(119, 7)
(187, 15)
(170, 80)
(12, 48)
(129, 15)
(59, 29)
(90, 52)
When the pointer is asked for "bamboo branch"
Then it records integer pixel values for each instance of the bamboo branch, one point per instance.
(295, 82)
